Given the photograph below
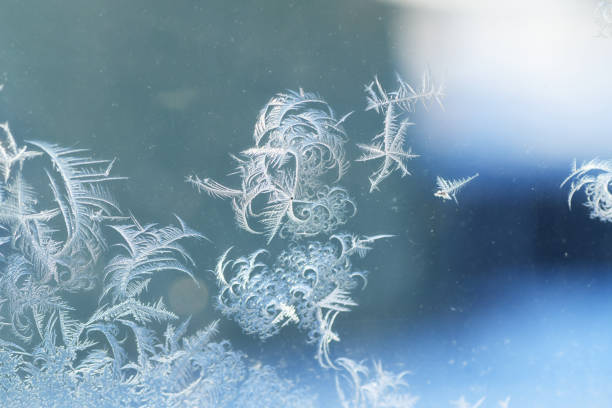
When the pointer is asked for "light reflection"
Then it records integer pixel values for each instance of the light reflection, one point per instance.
(526, 81)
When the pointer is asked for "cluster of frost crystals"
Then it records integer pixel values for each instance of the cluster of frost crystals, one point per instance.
(51, 245)
(595, 177)
(289, 178)
(359, 387)
(308, 285)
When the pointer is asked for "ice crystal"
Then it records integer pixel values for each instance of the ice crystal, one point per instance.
(595, 176)
(10, 154)
(390, 149)
(405, 97)
(359, 387)
(149, 249)
(389, 144)
(62, 240)
(448, 189)
(293, 169)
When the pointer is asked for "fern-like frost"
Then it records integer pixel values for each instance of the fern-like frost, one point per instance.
(148, 250)
(448, 189)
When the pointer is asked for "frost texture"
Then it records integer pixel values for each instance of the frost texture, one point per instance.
(307, 285)
(359, 387)
(595, 177)
(289, 178)
(194, 372)
(463, 403)
(389, 144)
(116, 357)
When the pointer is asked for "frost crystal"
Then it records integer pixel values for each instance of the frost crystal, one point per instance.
(289, 178)
(389, 144)
(448, 189)
(595, 176)
(358, 387)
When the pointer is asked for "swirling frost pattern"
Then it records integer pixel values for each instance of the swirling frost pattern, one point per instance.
(294, 167)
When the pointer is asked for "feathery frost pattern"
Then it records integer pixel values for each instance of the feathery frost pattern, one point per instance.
(405, 98)
(359, 387)
(116, 357)
(448, 189)
(62, 241)
(388, 145)
(595, 177)
(294, 167)
(149, 250)
(132, 351)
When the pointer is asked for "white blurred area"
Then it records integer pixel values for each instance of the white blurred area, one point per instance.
(526, 80)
